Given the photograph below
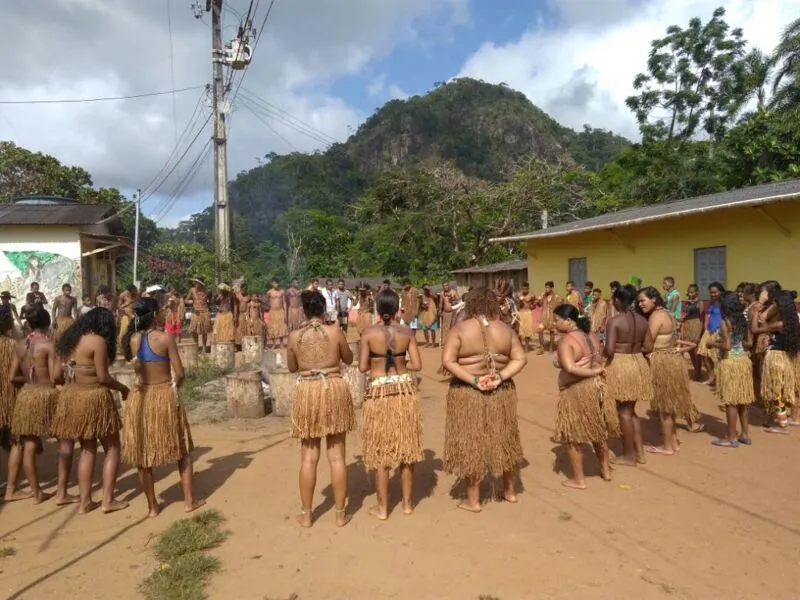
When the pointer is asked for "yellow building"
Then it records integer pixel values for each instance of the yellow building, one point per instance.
(750, 234)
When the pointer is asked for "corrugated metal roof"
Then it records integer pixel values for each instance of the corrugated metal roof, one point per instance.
(508, 265)
(54, 214)
(784, 191)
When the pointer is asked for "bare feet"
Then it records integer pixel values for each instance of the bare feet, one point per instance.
(154, 512)
(304, 518)
(88, 507)
(66, 499)
(193, 506)
(473, 508)
(114, 506)
(575, 485)
(660, 450)
(780, 430)
(378, 512)
(510, 497)
(623, 461)
(16, 495)
(408, 509)
(41, 497)
(342, 518)
(605, 474)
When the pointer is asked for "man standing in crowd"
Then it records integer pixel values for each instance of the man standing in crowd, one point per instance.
(343, 301)
(330, 301)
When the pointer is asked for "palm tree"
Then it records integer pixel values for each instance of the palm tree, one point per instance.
(786, 61)
(750, 78)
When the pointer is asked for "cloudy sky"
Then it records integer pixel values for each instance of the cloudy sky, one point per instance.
(320, 69)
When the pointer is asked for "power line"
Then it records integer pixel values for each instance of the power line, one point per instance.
(288, 119)
(172, 71)
(183, 184)
(103, 99)
(265, 122)
(253, 51)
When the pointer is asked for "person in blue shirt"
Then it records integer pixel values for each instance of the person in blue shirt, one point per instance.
(713, 312)
(672, 298)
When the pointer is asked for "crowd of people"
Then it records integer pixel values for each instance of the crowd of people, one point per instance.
(610, 355)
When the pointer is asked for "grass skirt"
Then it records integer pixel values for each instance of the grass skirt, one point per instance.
(249, 327)
(321, 407)
(628, 379)
(526, 329)
(124, 322)
(584, 415)
(671, 389)
(692, 330)
(481, 431)
(34, 410)
(156, 430)
(276, 327)
(704, 350)
(296, 318)
(778, 380)
(7, 350)
(85, 411)
(735, 381)
(224, 330)
(62, 324)
(445, 323)
(364, 321)
(200, 323)
(392, 431)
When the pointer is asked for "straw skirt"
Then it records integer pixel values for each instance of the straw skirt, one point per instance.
(224, 330)
(526, 329)
(276, 326)
(295, 318)
(778, 380)
(628, 379)
(7, 350)
(200, 323)
(735, 381)
(671, 388)
(392, 431)
(85, 411)
(704, 350)
(692, 330)
(322, 407)
(584, 415)
(34, 410)
(156, 430)
(481, 430)
(62, 324)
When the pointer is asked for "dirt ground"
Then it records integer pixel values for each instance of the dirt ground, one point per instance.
(710, 523)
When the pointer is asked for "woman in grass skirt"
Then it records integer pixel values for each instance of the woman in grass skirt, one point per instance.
(35, 402)
(713, 318)
(8, 347)
(392, 430)
(735, 372)
(583, 415)
(671, 389)
(778, 372)
(482, 354)
(156, 431)
(322, 406)
(86, 409)
(628, 378)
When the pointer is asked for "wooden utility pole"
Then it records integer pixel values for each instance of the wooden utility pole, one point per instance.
(222, 229)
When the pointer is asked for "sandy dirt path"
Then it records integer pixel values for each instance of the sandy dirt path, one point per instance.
(710, 523)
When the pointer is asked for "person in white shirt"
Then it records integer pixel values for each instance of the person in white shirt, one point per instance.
(330, 302)
(343, 301)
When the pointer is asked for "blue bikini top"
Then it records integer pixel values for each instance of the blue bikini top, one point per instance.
(146, 353)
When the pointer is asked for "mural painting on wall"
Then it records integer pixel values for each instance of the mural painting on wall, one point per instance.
(18, 269)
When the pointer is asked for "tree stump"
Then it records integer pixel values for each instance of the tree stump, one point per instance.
(281, 386)
(187, 350)
(245, 395)
(126, 376)
(225, 355)
(252, 350)
(274, 358)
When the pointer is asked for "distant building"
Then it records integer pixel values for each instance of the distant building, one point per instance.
(515, 271)
(750, 234)
(54, 241)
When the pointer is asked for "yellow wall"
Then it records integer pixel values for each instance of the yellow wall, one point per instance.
(756, 249)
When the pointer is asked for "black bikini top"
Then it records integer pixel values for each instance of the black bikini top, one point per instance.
(389, 356)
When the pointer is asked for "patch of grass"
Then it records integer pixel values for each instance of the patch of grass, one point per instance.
(7, 551)
(184, 567)
(564, 516)
(197, 377)
(485, 597)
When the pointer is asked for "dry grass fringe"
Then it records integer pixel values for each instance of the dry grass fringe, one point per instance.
(526, 328)
(7, 552)
(672, 392)
(224, 330)
(184, 568)
(34, 410)
(321, 408)
(7, 350)
(85, 412)
(735, 381)
(276, 326)
(778, 380)
(583, 415)
(628, 379)
(392, 431)
(692, 330)
(481, 430)
(156, 430)
(200, 323)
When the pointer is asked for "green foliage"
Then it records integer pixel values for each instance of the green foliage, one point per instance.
(7, 551)
(786, 61)
(197, 377)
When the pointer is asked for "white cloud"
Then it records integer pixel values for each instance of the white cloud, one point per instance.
(397, 93)
(377, 86)
(581, 71)
(92, 48)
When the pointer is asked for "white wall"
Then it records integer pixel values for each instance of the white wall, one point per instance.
(58, 251)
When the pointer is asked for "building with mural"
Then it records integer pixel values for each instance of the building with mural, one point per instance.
(53, 241)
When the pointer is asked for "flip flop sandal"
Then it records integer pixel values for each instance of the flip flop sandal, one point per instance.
(745, 440)
(725, 443)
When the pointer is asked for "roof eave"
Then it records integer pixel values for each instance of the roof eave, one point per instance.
(673, 215)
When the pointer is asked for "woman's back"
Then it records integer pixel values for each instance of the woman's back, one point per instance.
(317, 346)
(626, 333)
(152, 350)
(483, 343)
(384, 349)
(581, 346)
(35, 356)
(80, 365)
(663, 330)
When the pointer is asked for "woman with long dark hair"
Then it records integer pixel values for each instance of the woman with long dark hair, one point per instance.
(7, 350)
(628, 378)
(392, 430)
(156, 431)
(483, 355)
(779, 371)
(735, 371)
(322, 406)
(713, 317)
(671, 387)
(582, 414)
(86, 409)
